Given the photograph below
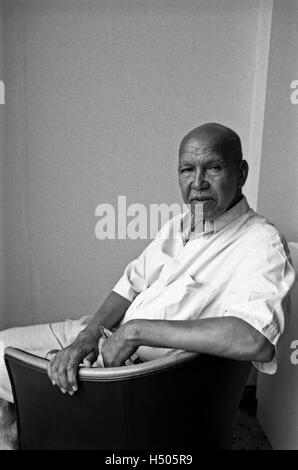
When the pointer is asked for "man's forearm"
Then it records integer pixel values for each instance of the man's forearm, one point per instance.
(226, 337)
(109, 314)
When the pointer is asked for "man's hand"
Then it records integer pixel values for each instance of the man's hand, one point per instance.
(62, 368)
(121, 345)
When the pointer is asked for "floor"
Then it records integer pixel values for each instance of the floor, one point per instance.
(248, 434)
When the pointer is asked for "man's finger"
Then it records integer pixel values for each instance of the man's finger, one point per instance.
(51, 367)
(91, 358)
(49, 372)
(63, 383)
(54, 365)
(109, 360)
(86, 363)
(71, 369)
(51, 353)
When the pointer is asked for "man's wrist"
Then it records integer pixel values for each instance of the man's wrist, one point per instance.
(133, 330)
(89, 334)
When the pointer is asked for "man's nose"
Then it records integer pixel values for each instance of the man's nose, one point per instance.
(199, 181)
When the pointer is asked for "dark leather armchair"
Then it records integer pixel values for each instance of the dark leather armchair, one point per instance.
(181, 402)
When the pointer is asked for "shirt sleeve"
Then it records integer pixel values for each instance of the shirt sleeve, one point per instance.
(260, 292)
(134, 280)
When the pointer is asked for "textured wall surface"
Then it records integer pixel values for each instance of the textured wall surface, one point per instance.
(278, 197)
(99, 94)
(2, 107)
(278, 190)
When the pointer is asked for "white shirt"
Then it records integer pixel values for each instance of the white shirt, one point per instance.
(238, 265)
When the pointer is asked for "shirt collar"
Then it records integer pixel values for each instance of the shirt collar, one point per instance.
(212, 225)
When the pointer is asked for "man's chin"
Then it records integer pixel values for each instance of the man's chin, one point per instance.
(209, 207)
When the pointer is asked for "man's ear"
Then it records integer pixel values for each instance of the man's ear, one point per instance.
(243, 172)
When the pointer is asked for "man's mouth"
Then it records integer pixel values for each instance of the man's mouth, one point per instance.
(201, 199)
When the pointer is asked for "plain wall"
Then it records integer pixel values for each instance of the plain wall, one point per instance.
(278, 197)
(98, 97)
(2, 107)
(277, 395)
(278, 190)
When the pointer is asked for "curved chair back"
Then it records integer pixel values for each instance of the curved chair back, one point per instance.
(183, 401)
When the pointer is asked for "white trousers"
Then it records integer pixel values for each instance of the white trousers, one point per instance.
(38, 340)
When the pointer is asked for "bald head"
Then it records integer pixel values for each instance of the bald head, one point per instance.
(211, 168)
(217, 138)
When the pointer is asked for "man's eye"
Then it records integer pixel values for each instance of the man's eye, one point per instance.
(185, 170)
(214, 167)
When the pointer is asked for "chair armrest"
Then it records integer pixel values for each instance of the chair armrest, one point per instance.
(111, 373)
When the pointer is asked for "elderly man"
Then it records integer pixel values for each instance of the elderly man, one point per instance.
(219, 287)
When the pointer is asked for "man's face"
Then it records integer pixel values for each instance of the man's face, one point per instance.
(208, 178)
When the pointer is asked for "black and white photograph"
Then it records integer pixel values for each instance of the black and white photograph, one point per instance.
(148, 228)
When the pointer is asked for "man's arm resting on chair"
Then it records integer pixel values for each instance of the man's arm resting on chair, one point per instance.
(62, 368)
(228, 337)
